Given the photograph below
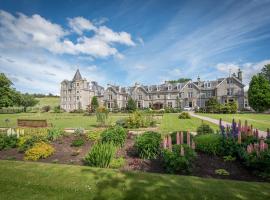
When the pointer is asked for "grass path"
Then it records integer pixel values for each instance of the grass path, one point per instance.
(29, 180)
(260, 121)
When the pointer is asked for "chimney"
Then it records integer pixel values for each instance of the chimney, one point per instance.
(199, 79)
(239, 75)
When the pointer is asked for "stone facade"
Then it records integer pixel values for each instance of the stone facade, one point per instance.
(78, 93)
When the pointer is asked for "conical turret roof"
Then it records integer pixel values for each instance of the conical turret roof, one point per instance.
(77, 76)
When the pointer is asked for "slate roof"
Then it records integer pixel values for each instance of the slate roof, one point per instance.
(77, 76)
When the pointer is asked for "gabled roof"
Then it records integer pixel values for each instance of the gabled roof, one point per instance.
(77, 76)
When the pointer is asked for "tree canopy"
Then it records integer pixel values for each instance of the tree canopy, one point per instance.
(94, 103)
(266, 72)
(131, 105)
(180, 80)
(259, 93)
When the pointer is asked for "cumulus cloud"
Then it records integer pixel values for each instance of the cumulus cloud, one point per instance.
(34, 31)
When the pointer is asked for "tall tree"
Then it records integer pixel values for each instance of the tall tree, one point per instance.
(131, 105)
(27, 100)
(266, 72)
(8, 95)
(94, 103)
(259, 93)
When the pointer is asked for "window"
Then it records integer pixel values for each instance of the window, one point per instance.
(158, 88)
(77, 91)
(109, 105)
(180, 95)
(190, 85)
(208, 84)
(150, 105)
(208, 93)
(229, 80)
(230, 91)
(170, 104)
(158, 96)
(139, 104)
(78, 84)
(78, 97)
(169, 87)
(150, 97)
(140, 97)
(190, 94)
(110, 97)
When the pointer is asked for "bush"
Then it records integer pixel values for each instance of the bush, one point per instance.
(38, 151)
(8, 141)
(184, 115)
(148, 145)
(229, 147)
(116, 135)
(100, 155)
(46, 108)
(26, 142)
(77, 111)
(77, 143)
(117, 163)
(79, 131)
(209, 143)
(138, 119)
(204, 129)
(173, 162)
(54, 133)
(94, 136)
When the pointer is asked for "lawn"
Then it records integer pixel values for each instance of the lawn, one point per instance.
(29, 180)
(60, 120)
(171, 122)
(260, 121)
(48, 101)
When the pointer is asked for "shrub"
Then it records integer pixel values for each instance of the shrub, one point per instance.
(54, 133)
(26, 142)
(77, 143)
(173, 162)
(122, 122)
(8, 141)
(229, 147)
(148, 145)
(46, 108)
(209, 143)
(222, 172)
(38, 151)
(94, 136)
(100, 155)
(204, 129)
(116, 135)
(117, 163)
(184, 115)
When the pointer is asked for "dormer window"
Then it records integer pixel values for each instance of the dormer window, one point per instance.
(158, 88)
(169, 87)
(178, 86)
(190, 85)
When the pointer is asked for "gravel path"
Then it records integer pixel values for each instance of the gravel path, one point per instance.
(215, 121)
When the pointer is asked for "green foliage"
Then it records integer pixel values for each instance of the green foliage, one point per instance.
(117, 163)
(27, 100)
(213, 106)
(131, 105)
(94, 104)
(115, 108)
(259, 93)
(184, 115)
(266, 72)
(229, 147)
(204, 129)
(57, 109)
(229, 158)
(222, 172)
(173, 161)
(79, 131)
(115, 135)
(54, 133)
(148, 145)
(77, 142)
(137, 120)
(102, 115)
(180, 80)
(46, 108)
(209, 143)
(38, 151)
(100, 155)
(173, 136)
(8, 141)
(94, 136)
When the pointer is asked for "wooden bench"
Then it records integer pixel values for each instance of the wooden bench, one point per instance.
(33, 123)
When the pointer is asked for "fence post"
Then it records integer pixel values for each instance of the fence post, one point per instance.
(268, 133)
(170, 142)
(177, 138)
(182, 138)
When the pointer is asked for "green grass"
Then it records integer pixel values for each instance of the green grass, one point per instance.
(260, 121)
(172, 123)
(48, 101)
(59, 120)
(29, 180)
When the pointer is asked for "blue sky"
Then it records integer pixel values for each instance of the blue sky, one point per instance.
(123, 42)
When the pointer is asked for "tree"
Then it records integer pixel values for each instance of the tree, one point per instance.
(259, 93)
(180, 80)
(94, 104)
(131, 105)
(8, 95)
(212, 105)
(27, 100)
(266, 72)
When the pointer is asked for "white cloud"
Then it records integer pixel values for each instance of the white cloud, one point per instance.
(24, 32)
(80, 24)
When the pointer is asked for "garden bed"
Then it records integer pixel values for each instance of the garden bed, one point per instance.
(204, 165)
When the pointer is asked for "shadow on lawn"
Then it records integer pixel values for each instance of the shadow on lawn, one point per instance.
(130, 185)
